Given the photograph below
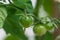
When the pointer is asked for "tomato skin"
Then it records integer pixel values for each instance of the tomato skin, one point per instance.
(39, 30)
(26, 21)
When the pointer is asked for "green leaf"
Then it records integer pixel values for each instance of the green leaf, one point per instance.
(10, 9)
(48, 36)
(48, 6)
(29, 7)
(3, 15)
(20, 3)
(1, 4)
(24, 4)
(1, 23)
(19, 12)
(12, 26)
(12, 37)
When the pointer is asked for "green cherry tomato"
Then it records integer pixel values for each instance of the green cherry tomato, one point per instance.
(49, 26)
(39, 29)
(26, 21)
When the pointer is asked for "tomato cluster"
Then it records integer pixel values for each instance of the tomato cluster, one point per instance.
(39, 28)
(45, 25)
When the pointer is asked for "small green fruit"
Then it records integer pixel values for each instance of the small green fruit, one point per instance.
(39, 29)
(49, 26)
(26, 21)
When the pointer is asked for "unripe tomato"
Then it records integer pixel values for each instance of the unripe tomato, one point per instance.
(49, 26)
(26, 21)
(39, 29)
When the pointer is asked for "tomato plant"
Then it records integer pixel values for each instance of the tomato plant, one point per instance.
(19, 13)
